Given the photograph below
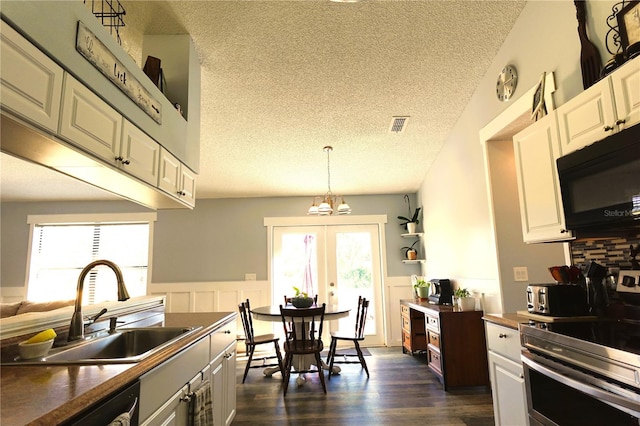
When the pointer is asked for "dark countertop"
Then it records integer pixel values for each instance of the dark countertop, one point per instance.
(46, 395)
(510, 320)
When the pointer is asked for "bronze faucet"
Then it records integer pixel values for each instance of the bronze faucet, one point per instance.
(76, 328)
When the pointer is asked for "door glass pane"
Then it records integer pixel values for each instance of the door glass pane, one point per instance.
(296, 266)
(354, 274)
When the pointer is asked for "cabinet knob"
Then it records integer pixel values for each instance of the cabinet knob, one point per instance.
(122, 160)
(608, 128)
(620, 121)
(227, 332)
(502, 336)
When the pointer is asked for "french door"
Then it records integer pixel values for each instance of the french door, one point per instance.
(336, 262)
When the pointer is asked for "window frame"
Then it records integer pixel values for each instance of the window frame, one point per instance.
(90, 219)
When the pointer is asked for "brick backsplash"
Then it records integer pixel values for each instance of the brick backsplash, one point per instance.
(613, 253)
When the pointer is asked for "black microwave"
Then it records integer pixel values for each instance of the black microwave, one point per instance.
(600, 184)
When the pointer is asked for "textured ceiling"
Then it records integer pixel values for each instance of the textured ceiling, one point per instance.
(282, 79)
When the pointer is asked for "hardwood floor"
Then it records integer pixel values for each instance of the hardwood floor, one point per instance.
(401, 391)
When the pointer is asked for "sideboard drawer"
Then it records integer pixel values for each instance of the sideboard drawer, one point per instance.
(434, 339)
(404, 310)
(434, 361)
(406, 324)
(434, 323)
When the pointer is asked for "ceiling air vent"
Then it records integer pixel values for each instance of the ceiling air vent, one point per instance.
(398, 124)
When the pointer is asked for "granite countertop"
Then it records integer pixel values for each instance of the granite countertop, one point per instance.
(510, 320)
(53, 394)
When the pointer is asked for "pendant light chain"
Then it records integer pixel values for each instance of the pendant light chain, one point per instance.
(326, 207)
(328, 150)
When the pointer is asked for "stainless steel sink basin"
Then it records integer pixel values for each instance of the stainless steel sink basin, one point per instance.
(124, 346)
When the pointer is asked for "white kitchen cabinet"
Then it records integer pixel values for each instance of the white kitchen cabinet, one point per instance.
(608, 106)
(174, 412)
(88, 122)
(507, 376)
(223, 386)
(139, 154)
(626, 89)
(176, 178)
(223, 374)
(160, 388)
(30, 82)
(536, 149)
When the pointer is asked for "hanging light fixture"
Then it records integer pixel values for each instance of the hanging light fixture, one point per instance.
(325, 207)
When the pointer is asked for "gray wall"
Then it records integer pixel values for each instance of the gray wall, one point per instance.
(457, 218)
(220, 240)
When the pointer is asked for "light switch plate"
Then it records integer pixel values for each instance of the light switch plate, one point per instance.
(249, 277)
(520, 273)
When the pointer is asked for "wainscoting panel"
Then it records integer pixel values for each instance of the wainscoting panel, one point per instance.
(215, 297)
(398, 288)
(226, 296)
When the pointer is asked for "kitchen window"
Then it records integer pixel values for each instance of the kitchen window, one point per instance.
(62, 245)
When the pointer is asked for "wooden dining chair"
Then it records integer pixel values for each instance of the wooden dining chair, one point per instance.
(355, 336)
(251, 341)
(303, 328)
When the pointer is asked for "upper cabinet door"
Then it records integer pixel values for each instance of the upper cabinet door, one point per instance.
(587, 118)
(89, 123)
(140, 155)
(30, 82)
(626, 89)
(536, 150)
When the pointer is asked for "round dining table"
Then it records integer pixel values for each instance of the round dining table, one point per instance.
(272, 314)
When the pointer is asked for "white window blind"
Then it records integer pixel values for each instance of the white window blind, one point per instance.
(59, 252)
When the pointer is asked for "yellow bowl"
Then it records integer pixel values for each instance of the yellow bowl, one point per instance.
(34, 350)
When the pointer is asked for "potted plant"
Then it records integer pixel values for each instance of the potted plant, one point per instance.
(410, 252)
(411, 220)
(464, 299)
(422, 288)
(301, 299)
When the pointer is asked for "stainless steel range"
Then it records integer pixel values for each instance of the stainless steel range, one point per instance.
(582, 373)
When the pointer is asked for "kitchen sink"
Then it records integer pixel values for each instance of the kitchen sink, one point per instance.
(124, 346)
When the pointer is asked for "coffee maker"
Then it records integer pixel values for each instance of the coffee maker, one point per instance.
(441, 292)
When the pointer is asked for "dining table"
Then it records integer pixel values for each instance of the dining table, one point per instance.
(272, 314)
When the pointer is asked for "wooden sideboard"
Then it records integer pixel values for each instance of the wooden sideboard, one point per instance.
(456, 344)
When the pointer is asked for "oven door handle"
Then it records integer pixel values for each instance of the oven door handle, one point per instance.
(619, 402)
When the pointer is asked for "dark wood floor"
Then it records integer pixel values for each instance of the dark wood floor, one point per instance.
(401, 391)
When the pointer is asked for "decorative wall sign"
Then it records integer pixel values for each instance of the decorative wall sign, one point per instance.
(89, 46)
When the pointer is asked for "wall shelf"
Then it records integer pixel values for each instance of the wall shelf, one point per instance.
(414, 261)
(415, 235)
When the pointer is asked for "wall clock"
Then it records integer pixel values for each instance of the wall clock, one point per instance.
(506, 84)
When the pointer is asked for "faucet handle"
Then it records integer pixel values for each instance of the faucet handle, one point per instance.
(93, 319)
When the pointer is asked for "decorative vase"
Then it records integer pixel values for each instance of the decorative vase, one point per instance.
(412, 254)
(467, 303)
(302, 302)
(411, 227)
(422, 292)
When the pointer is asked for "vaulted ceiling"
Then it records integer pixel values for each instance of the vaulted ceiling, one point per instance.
(282, 79)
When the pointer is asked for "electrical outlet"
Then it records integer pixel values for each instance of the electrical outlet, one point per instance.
(520, 273)
(249, 277)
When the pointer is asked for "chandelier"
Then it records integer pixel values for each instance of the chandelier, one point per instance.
(326, 207)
